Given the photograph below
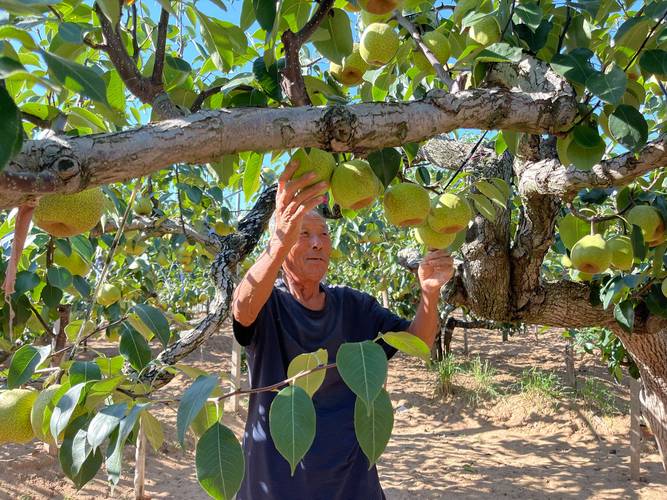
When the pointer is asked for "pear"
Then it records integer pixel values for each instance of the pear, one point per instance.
(449, 214)
(427, 236)
(316, 160)
(368, 18)
(135, 246)
(590, 254)
(222, 228)
(108, 294)
(379, 43)
(143, 206)
(439, 46)
(65, 215)
(351, 71)
(354, 184)
(406, 204)
(379, 6)
(663, 287)
(622, 254)
(485, 31)
(649, 220)
(74, 263)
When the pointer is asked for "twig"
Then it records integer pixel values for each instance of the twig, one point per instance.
(55, 11)
(160, 49)
(203, 95)
(97, 330)
(439, 69)
(46, 326)
(465, 162)
(568, 20)
(135, 41)
(180, 202)
(594, 219)
(648, 36)
(509, 20)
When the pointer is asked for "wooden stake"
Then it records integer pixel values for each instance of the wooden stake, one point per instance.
(236, 373)
(571, 374)
(635, 431)
(140, 465)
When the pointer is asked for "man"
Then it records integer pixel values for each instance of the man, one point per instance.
(279, 319)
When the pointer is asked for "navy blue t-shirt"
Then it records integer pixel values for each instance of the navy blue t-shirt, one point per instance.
(334, 468)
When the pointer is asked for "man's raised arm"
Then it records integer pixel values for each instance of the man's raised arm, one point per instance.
(293, 201)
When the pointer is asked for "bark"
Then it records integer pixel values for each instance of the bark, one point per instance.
(68, 164)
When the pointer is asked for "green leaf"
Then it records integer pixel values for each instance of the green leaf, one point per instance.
(573, 66)
(110, 9)
(115, 453)
(193, 400)
(308, 361)
(483, 206)
(638, 244)
(251, 175)
(76, 78)
(339, 42)
(571, 229)
(59, 277)
(23, 364)
(134, 348)
(152, 319)
(84, 371)
(655, 62)
(11, 130)
(624, 314)
(71, 32)
(363, 367)
(374, 430)
(268, 78)
(502, 186)
(51, 296)
(294, 15)
(408, 343)
(385, 163)
(292, 423)
(8, 32)
(26, 7)
(152, 429)
(491, 192)
(104, 423)
(220, 462)
(64, 408)
(530, 13)
(223, 40)
(610, 86)
(628, 127)
(77, 458)
(265, 13)
(499, 52)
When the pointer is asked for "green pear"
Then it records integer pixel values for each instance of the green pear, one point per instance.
(485, 31)
(406, 204)
(316, 160)
(649, 220)
(351, 71)
(66, 215)
(135, 245)
(427, 236)
(354, 184)
(439, 46)
(622, 254)
(591, 254)
(379, 6)
(75, 264)
(368, 18)
(108, 294)
(143, 206)
(379, 43)
(449, 214)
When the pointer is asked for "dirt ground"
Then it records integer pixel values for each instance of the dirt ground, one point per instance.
(509, 446)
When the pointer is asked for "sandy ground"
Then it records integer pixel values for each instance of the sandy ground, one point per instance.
(510, 446)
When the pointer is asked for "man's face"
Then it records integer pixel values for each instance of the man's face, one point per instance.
(309, 257)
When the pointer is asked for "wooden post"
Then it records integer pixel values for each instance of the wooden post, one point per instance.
(236, 373)
(385, 298)
(140, 464)
(465, 336)
(571, 374)
(635, 431)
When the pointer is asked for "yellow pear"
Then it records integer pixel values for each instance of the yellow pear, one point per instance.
(648, 219)
(379, 6)
(449, 214)
(108, 294)
(590, 254)
(354, 184)
(622, 253)
(439, 46)
(75, 264)
(351, 71)
(143, 206)
(378, 45)
(427, 236)
(406, 204)
(65, 215)
(15, 407)
(316, 160)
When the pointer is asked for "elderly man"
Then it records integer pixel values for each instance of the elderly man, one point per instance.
(280, 318)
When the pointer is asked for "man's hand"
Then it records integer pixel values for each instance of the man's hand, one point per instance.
(293, 201)
(434, 271)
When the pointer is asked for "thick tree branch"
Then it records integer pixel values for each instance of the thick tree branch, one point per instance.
(292, 79)
(550, 177)
(156, 77)
(443, 75)
(87, 161)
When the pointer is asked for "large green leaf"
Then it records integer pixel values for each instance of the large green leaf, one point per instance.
(374, 430)
(573, 66)
(115, 450)
(609, 86)
(64, 408)
(251, 174)
(149, 321)
(268, 78)
(24, 362)
(193, 400)
(134, 348)
(265, 13)
(104, 423)
(571, 229)
(11, 131)
(75, 77)
(59, 277)
(655, 62)
(220, 462)
(408, 343)
(292, 423)
(223, 41)
(628, 127)
(84, 371)
(499, 52)
(363, 367)
(79, 461)
(339, 42)
(385, 163)
(530, 13)
(308, 361)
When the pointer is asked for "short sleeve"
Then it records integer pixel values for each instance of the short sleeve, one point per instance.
(243, 334)
(386, 321)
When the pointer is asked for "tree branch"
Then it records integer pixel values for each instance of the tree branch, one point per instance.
(88, 161)
(203, 95)
(156, 77)
(292, 80)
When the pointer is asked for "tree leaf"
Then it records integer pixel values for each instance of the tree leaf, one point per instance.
(610, 86)
(374, 430)
(624, 314)
(571, 229)
(483, 206)
(134, 348)
(628, 127)
(11, 131)
(408, 343)
(572, 66)
(24, 363)
(193, 400)
(154, 320)
(77, 458)
(115, 453)
(59, 277)
(491, 192)
(104, 423)
(363, 367)
(499, 52)
(530, 13)
(308, 361)
(220, 462)
(64, 408)
(339, 42)
(385, 163)
(265, 13)
(253, 167)
(268, 78)
(76, 78)
(152, 429)
(655, 62)
(84, 371)
(292, 423)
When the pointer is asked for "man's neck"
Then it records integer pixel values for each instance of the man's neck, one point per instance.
(307, 293)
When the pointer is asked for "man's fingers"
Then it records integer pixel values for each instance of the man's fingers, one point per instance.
(315, 190)
(306, 207)
(293, 187)
(290, 168)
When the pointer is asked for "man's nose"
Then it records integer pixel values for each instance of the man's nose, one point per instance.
(316, 242)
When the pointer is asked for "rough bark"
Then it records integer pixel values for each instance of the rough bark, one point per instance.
(67, 164)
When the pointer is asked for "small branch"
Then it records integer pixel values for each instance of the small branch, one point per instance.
(36, 120)
(465, 162)
(509, 20)
(156, 77)
(439, 69)
(594, 219)
(566, 26)
(648, 36)
(55, 11)
(97, 330)
(39, 317)
(203, 95)
(135, 41)
(180, 201)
